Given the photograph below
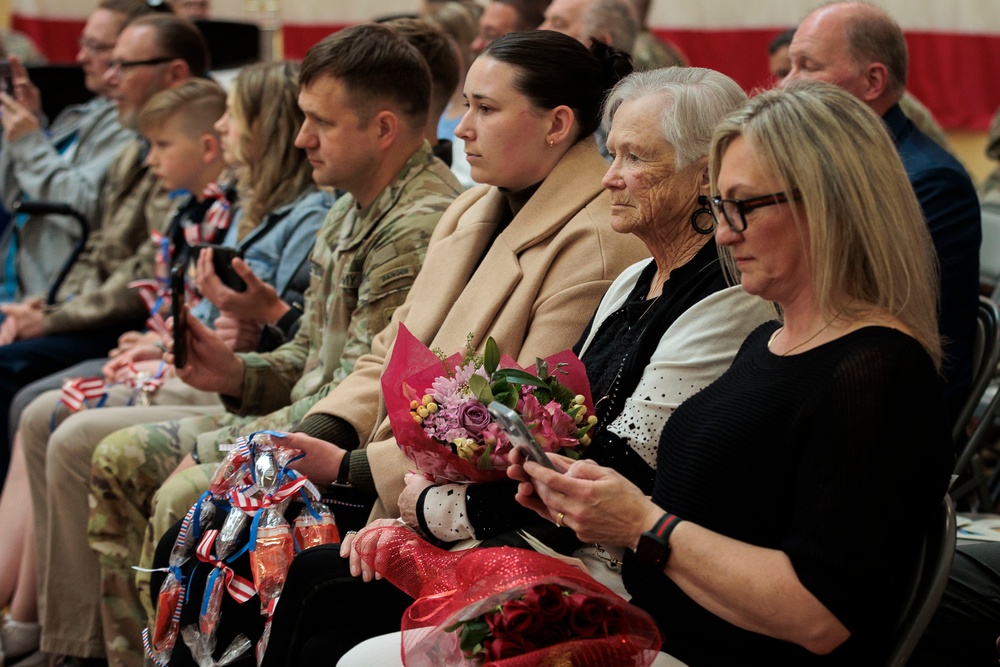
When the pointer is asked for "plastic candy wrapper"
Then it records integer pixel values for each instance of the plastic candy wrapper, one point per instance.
(314, 526)
(265, 637)
(161, 641)
(454, 620)
(203, 646)
(234, 471)
(271, 554)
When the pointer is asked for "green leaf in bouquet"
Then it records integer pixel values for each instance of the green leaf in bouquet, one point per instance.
(471, 635)
(480, 387)
(517, 376)
(484, 462)
(542, 367)
(504, 392)
(571, 453)
(491, 356)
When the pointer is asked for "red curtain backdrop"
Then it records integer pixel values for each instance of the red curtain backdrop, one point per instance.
(950, 72)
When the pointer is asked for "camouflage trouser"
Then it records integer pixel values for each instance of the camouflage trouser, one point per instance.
(59, 477)
(133, 504)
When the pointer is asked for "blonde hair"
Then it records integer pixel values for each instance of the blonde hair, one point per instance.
(869, 248)
(265, 106)
(196, 104)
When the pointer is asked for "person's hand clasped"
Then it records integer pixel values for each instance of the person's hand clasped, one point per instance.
(597, 503)
(258, 303)
(23, 321)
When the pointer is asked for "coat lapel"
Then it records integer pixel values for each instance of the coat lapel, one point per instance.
(476, 299)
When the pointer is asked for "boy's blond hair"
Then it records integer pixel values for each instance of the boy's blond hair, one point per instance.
(197, 104)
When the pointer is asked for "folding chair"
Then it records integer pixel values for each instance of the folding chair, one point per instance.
(930, 579)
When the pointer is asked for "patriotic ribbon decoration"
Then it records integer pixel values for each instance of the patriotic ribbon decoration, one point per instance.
(76, 392)
(239, 588)
(156, 301)
(245, 500)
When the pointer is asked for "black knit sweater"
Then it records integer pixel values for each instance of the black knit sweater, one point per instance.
(836, 456)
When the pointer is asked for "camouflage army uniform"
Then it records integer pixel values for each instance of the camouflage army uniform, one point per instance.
(364, 262)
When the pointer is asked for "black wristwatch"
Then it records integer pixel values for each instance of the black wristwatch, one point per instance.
(653, 550)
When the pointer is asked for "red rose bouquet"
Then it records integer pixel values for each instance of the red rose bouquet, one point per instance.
(505, 607)
(437, 407)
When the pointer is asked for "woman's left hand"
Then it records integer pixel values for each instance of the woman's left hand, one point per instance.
(597, 503)
(348, 550)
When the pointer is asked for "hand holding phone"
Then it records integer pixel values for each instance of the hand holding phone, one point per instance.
(518, 433)
(180, 316)
(222, 263)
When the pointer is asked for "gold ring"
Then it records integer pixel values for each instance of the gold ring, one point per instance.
(559, 518)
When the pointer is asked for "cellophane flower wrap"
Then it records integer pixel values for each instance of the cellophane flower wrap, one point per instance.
(511, 607)
(437, 407)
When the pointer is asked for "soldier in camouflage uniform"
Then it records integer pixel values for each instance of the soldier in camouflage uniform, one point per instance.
(365, 259)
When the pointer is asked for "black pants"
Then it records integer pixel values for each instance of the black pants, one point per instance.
(324, 611)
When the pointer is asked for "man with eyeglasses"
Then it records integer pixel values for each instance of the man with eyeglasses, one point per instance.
(859, 48)
(94, 304)
(65, 161)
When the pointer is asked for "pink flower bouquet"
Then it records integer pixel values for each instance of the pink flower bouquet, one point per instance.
(437, 407)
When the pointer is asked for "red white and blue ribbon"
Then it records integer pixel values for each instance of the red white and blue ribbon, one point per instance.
(240, 589)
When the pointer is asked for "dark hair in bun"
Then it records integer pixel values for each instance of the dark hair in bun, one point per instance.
(554, 69)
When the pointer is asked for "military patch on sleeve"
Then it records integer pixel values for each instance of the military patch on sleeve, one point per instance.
(394, 274)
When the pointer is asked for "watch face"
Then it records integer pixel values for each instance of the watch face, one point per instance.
(652, 551)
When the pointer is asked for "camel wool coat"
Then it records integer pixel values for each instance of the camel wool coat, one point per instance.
(534, 292)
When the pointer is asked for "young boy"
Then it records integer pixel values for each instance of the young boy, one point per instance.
(186, 155)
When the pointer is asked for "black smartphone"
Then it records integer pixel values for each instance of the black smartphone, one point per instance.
(519, 435)
(222, 262)
(180, 315)
(6, 80)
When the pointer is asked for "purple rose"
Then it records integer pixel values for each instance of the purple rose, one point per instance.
(473, 417)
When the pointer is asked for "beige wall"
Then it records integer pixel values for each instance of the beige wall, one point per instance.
(970, 147)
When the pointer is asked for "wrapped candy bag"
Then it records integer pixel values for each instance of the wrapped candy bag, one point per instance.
(161, 641)
(271, 554)
(315, 525)
(206, 646)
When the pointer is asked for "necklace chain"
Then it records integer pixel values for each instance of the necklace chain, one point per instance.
(805, 342)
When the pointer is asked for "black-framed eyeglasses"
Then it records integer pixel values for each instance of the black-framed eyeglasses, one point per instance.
(128, 64)
(734, 211)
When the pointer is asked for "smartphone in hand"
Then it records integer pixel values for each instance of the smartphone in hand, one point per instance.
(518, 433)
(180, 315)
(222, 262)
